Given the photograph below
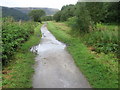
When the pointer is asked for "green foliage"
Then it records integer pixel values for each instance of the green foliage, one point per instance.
(65, 13)
(47, 18)
(36, 15)
(103, 11)
(72, 22)
(96, 11)
(83, 18)
(105, 39)
(88, 14)
(13, 35)
(100, 70)
(20, 70)
(80, 12)
(57, 16)
(113, 12)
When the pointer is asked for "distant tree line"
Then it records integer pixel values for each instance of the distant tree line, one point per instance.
(86, 14)
(99, 11)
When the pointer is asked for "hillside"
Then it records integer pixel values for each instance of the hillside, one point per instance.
(49, 11)
(16, 14)
(22, 13)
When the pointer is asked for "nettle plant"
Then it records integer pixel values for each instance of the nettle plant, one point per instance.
(14, 34)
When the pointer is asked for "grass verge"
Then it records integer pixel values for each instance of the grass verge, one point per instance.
(18, 74)
(100, 70)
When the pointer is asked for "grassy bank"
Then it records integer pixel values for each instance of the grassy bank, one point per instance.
(102, 38)
(18, 74)
(101, 70)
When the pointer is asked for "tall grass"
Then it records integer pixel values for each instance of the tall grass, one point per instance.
(104, 39)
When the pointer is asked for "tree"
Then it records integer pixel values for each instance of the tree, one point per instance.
(36, 15)
(67, 12)
(96, 11)
(113, 12)
(83, 21)
(106, 12)
(57, 16)
(47, 18)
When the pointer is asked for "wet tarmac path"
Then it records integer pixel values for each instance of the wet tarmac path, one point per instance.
(54, 67)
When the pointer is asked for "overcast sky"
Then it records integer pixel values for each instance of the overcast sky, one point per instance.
(98, 0)
(37, 3)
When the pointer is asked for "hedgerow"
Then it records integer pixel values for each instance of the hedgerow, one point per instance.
(14, 34)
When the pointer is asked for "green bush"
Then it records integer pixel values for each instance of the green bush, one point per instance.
(13, 35)
(47, 18)
(83, 21)
(72, 22)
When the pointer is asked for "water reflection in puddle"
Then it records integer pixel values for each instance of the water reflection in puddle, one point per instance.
(48, 42)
